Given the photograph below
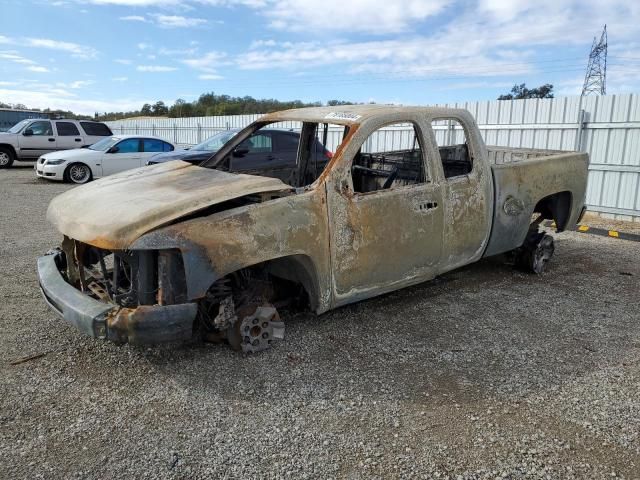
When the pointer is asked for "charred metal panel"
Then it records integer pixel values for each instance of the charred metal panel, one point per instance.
(520, 186)
(386, 239)
(467, 199)
(113, 212)
(216, 245)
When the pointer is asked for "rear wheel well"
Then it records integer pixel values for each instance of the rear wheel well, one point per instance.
(556, 207)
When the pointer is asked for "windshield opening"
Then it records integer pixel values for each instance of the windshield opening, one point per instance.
(215, 143)
(17, 128)
(295, 152)
(104, 144)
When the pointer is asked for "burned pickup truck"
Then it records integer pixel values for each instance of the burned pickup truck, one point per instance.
(166, 252)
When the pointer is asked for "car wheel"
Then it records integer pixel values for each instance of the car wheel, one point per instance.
(6, 157)
(77, 173)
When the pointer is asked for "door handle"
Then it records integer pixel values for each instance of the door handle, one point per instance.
(427, 205)
(52, 139)
(78, 139)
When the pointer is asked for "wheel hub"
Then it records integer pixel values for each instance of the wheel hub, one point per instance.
(257, 331)
(4, 158)
(78, 173)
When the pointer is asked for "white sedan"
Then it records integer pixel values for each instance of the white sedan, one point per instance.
(109, 155)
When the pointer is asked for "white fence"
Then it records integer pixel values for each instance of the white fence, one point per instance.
(607, 127)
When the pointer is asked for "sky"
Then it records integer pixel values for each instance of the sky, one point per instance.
(116, 55)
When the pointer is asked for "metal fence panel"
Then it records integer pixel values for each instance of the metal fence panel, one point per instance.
(607, 127)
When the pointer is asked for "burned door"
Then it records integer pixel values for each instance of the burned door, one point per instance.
(467, 192)
(385, 212)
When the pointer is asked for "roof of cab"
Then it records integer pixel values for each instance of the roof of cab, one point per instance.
(350, 114)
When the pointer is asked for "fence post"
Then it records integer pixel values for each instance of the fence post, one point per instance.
(136, 129)
(153, 129)
(199, 133)
(121, 129)
(227, 125)
(582, 120)
(175, 133)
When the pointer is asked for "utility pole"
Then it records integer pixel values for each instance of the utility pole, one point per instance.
(595, 80)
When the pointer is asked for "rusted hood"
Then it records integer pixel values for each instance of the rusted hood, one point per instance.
(114, 211)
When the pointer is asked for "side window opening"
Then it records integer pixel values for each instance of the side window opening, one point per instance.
(41, 129)
(390, 157)
(67, 129)
(130, 145)
(453, 147)
(258, 143)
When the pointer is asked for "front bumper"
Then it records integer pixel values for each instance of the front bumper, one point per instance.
(50, 172)
(147, 324)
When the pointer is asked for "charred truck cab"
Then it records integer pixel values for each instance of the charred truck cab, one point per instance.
(166, 252)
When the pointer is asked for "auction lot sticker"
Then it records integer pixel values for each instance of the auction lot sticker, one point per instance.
(343, 116)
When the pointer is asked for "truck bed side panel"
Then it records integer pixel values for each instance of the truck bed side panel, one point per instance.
(520, 185)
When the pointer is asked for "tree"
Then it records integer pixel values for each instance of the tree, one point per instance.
(146, 109)
(160, 109)
(519, 92)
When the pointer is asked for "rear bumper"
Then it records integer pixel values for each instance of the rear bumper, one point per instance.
(149, 324)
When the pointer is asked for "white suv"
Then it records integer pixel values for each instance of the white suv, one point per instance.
(31, 138)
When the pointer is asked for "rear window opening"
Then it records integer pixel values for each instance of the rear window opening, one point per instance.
(96, 129)
(453, 147)
(296, 153)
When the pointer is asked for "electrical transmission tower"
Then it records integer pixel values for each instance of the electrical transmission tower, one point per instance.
(595, 80)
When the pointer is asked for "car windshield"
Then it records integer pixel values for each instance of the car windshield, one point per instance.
(104, 144)
(215, 143)
(18, 126)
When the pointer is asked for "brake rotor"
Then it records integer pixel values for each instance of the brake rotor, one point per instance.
(255, 331)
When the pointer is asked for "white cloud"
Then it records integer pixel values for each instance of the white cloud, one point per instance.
(210, 76)
(119, 79)
(177, 21)
(60, 99)
(80, 84)
(79, 51)
(123, 61)
(350, 16)
(178, 52)
(208, 62)
(143, 46)
(38, 69)
(14, 57)
(134, 18)
(155, 68)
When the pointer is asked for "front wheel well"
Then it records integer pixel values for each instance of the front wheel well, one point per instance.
(66, 177)
(9, 148)
(556, 207)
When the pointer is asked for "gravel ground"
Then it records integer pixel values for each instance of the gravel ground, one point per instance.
(483, 373)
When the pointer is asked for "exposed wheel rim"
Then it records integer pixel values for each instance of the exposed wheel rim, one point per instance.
(542, 254)
(4, 158)
(79, 173)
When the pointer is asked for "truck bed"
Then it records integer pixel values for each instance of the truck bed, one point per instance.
(499, 155)
(524, 177)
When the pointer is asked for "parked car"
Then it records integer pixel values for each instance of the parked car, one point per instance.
(156, 254)
(109, 155)
(31, 138)
(271, 148)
